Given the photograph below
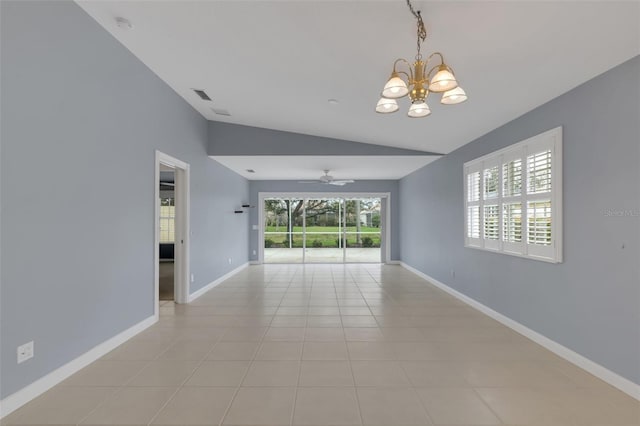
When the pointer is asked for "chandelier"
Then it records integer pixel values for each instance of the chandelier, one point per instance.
(419, 82)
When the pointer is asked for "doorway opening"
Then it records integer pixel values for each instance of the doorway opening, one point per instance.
(324, 228)
(171, 248)
(167, 223)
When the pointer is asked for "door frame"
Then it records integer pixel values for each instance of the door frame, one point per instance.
(182, 229)
(386, 234)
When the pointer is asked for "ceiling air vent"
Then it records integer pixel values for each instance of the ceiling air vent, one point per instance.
(219, 111)
(203, 95)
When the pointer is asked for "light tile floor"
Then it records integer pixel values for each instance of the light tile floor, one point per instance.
(324, 345)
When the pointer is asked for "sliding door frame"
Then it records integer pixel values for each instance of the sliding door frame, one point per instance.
(305, 196)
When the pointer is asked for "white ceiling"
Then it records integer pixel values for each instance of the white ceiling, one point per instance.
(272, 167)
(275, 64)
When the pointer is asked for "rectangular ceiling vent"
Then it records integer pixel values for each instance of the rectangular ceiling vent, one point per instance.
(220, 111)
(203, 95)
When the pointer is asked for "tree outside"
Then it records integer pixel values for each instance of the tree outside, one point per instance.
(330, 223)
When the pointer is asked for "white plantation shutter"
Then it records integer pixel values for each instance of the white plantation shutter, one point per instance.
(513, 199)
(539, 172)
(512, 222)
(491, 193)
(539, 223)
(512, 177)
(473, 186)
(491, 222)
(472, 203)
(491, 182)
(473, 224)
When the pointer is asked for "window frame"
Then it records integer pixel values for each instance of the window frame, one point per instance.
(549, 140)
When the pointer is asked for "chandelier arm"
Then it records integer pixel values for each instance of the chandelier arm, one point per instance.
(407, 76)
(410, 75)
(431, 70)
(401, 60)
(434, 54)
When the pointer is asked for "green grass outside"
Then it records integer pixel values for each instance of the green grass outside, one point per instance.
(321, 240)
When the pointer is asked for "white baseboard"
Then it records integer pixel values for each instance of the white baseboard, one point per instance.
(43, 384)
(193, 296)
(614, 379)
(394, 262)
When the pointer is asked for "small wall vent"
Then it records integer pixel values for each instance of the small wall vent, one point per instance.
(203, 95)
(220, 111)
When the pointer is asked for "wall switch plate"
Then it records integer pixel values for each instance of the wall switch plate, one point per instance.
(25, 352)
(230, 260)
(193, 278)
(254, 252)
(255, 227)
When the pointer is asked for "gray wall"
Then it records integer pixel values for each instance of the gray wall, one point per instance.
(361, 186)
(234, 139)
(81, 120)
(591, 302)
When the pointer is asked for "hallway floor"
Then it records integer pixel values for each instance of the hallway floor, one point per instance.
(329, 345)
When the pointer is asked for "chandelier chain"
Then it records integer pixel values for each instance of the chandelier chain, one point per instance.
(422, 31)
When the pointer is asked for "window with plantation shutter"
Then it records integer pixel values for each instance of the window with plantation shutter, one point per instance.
(513, 199)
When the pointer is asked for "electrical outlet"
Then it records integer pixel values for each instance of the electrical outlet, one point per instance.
(193, 278)
(230, 260)
(25, 352)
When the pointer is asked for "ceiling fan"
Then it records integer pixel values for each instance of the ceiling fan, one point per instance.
(328, 180)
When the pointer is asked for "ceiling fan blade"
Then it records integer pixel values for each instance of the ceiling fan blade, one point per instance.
(341, 182)
(309, 181)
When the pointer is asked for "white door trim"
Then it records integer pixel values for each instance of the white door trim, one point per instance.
(183, 227)
(316, 195)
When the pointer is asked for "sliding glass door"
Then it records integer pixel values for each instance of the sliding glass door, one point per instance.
(322, 230)
(362, 230)
(283, 230)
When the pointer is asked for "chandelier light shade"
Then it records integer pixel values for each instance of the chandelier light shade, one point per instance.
(419, 109)
(419, 79)
(386, 106)
(443, 80)
(454, 96)
(395, 88)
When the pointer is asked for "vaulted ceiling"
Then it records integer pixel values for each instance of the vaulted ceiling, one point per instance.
(275, 64)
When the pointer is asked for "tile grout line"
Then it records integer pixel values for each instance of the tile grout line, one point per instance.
(181, 386)
(119, 388)
(244, 376)
(304, 341)
(495, 413)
